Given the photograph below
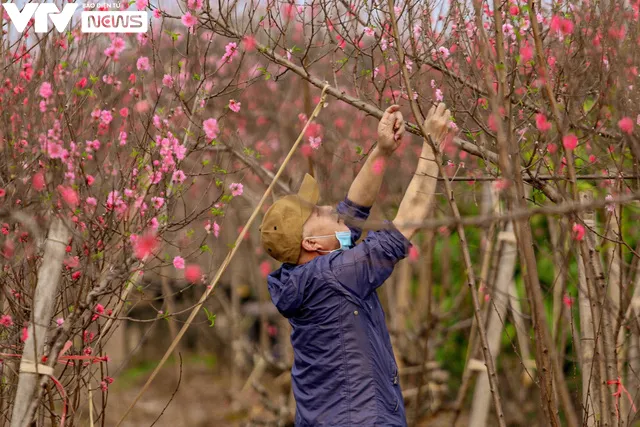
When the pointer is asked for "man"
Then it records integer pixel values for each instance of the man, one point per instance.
(344, 371)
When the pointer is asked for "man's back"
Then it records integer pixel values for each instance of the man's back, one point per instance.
(344, 371)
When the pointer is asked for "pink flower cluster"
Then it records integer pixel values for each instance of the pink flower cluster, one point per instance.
(231, 50)
(115, 202)
(194, 4)
(115, 49)
(6, 321)
(52, 143)
(561, 26)
(211, 128)
(212, 228)
(104, 117)
(144, 245)
(170, 150)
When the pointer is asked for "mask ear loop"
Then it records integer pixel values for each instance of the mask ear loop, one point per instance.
(317, 237)
(326, 235)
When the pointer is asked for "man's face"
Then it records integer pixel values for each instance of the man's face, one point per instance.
(324, 220)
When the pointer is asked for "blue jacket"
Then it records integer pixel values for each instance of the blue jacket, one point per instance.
(344, 372)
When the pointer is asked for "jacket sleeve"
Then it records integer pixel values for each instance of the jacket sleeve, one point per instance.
(354, 217)
(365, 267)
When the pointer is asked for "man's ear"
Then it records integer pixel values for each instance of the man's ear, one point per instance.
(310, 245)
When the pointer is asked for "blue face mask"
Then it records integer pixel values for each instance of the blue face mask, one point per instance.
(344, 237)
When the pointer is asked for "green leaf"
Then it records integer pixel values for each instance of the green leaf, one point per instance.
(358, 150)
(205, 248)
(588, 105)
(174, 37)
(265, 73)
(210, 317)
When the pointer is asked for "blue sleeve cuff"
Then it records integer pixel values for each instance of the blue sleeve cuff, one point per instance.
(354, 217)
(401, 243)
(353, 210)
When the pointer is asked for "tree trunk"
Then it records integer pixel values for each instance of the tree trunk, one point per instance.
(43, 304)
(558, 243)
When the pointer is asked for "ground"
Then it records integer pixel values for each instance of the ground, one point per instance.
(203, 399)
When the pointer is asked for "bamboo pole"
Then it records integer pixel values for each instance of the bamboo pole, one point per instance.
(593, 398)
(495, 324)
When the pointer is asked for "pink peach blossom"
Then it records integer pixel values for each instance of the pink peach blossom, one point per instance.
(178, 262)
(143, 64)
(167, 80)
(234, 106)
(626, 125)
(236, 189)
(188, 20)
(45, 90)
(211, 128)
(192, 273)
(6, 321)
(570, 141)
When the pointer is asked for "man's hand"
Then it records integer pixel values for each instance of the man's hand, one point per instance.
(437, 123)
(390, 129)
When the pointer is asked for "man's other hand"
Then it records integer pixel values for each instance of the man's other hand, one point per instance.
(437, 123)
(390, 129)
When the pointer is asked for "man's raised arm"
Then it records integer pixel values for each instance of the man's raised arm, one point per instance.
(365, 187)
(416, 202)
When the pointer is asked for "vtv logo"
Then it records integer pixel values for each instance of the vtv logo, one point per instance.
(97, 21)
(42, 11)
